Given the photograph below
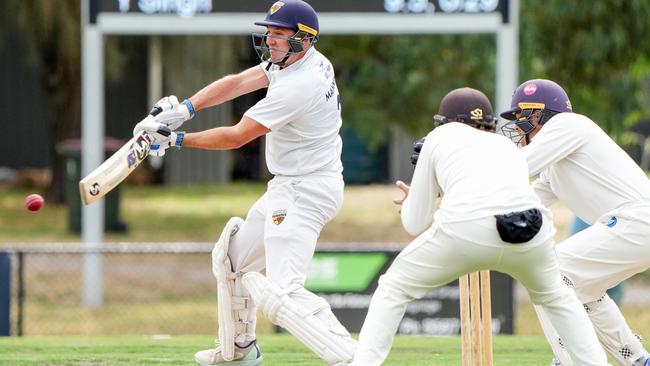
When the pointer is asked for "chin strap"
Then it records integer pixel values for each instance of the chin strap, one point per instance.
(281, 63)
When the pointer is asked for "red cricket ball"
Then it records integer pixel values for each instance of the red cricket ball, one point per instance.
(34, 202)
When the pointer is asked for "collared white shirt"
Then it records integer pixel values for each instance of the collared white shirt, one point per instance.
(579, 164)
(302, 110)
(477, 173)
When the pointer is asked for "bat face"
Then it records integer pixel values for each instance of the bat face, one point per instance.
(139, 150)
(113, 171)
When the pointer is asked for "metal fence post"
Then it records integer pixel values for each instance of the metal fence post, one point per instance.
(5, 294)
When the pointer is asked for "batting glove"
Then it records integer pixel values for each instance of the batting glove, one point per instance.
(169, 112)
(164, 137)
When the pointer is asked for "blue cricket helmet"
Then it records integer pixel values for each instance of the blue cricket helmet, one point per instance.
(292, 14)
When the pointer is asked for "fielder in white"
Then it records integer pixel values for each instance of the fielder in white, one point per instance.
(489, 218)
(301, 118)
(578, 164)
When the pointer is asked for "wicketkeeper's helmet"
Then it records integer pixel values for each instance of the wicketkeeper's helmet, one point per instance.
(466, 105)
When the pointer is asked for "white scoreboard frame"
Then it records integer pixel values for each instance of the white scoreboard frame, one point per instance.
(93, 36)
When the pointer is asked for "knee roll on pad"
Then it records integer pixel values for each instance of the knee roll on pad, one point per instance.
(233, 303)
(302, 322)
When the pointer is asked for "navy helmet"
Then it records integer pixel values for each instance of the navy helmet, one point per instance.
(466, 105)
(290, 14)
(538, 99)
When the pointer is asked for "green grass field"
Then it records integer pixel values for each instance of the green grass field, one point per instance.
(278, 350)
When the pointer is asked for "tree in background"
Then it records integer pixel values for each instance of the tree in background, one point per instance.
(598, 50)
(399, 80)
(51, 30)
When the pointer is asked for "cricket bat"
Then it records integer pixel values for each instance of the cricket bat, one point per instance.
(113, 171)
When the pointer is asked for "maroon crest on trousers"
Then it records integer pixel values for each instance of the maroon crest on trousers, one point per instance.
(278, 216)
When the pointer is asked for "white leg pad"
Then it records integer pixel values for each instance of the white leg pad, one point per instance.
(232, 301)
(280, 309)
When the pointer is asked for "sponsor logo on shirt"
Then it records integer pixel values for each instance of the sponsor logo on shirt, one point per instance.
(279, 216)
(611, 222)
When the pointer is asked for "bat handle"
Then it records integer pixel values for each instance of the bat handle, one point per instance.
(156, 151)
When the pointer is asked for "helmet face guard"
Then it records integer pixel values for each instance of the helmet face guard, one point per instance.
(533, 103)
(529, 118)
(295, 15)
(263, 49)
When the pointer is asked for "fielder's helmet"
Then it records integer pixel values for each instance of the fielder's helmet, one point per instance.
(466, 105)
(538, 94)
(536, 101)
(292, 14)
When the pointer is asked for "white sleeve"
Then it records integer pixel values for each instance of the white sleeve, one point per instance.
(542, 187)
(418, 208)
(278, 108)
(557, 139)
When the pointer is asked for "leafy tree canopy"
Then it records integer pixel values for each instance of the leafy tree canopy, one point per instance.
(598, 50)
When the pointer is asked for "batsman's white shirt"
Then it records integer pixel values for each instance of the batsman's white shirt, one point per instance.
(302, 110)
(478, 174)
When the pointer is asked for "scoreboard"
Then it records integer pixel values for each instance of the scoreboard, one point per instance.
(190, 8)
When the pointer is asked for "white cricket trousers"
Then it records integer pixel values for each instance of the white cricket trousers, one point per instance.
(445, 252)
(597, 259)
(279, 237)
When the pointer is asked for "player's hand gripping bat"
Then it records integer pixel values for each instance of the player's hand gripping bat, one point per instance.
(113, 171)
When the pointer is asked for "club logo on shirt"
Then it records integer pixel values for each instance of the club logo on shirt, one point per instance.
(611, 222)
(275, 7)
(476, 114)
(530, 89)
(279, 216)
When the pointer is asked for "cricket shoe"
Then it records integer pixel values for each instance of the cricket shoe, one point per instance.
(555, 362)
(244, 356)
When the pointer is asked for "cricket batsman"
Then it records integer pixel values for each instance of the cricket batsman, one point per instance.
(580, 165)
(489, 218)
(261, 262)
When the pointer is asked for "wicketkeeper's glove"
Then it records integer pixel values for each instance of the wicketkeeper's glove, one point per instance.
(417, 147)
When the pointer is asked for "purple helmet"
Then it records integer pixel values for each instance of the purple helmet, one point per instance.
(538, 94)
(536, 101)
(292, 14)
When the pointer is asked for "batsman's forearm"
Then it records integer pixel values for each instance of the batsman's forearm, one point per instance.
(216, 93)
(230, 87)
(219, 138)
